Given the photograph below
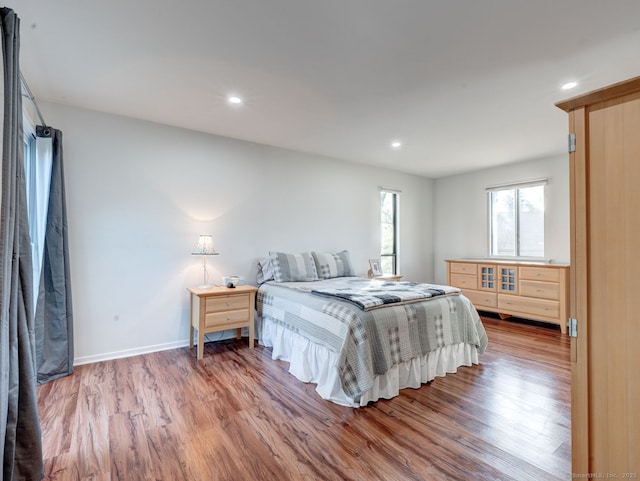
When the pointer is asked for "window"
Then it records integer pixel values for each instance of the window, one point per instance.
(37, 173)
(29, 154)
(516, 219)
(389, 231)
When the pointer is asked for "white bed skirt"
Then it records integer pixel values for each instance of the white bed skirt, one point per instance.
(310, 362)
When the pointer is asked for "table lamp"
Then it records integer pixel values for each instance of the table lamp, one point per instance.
(205, 248)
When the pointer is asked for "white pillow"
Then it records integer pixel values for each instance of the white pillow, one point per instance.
(337, 264)
(265, 271)
(293, 267)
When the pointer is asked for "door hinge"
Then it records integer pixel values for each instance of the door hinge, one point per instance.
(572, 327)
(572, 143)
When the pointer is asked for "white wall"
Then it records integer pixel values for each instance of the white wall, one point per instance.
(138, 195)
(461, 225)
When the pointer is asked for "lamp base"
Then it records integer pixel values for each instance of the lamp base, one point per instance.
(207, 286)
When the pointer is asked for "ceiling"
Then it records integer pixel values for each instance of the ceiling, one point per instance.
(464, 84)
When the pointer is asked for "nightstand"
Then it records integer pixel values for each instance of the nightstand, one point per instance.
(221, 308)
(385, 277)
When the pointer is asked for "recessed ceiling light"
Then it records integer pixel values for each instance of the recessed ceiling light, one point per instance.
(234, 99)
(396, 144)
(569, 85)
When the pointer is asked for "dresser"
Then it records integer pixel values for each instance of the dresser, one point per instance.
(532, 290)
(221, 308)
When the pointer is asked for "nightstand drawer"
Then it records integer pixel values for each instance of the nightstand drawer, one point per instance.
(230, 318)
(541, 290)
(226, 303)
(464, 281)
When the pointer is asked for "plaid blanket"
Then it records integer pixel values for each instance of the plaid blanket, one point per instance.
(376, 294)
(369, 343)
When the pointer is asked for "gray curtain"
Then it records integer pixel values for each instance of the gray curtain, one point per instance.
(54, 315)
(20, 437)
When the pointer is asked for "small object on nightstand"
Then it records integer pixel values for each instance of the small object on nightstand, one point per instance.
(234, 280)
(375, 270)
(220, 308)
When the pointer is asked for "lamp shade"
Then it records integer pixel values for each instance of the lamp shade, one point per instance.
(205, 246)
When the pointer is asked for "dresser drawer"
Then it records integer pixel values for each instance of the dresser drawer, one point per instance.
(463, 281)
(527, 305)
(541, 290)
(482, 299)
(463, 268)
(540, 273)
(230, 318)
(226, 303)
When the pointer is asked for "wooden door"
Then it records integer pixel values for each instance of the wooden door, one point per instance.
(605, 281)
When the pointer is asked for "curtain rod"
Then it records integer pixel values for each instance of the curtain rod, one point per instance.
(30, 96)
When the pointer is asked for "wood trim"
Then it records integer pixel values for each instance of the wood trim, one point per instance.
(604, 232)
(578, 289)
(619, 89)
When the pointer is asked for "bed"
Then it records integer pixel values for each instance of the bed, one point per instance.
(358, 339)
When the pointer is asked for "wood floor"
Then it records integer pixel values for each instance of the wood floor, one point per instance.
(238, 415)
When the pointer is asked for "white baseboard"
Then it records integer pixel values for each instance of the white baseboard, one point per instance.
(107, 356)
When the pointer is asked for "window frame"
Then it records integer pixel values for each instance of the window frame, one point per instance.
(29, 159)
(394, 253)
(515, 186)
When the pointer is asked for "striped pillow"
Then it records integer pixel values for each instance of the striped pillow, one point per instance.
(336, 264)
(293, 267)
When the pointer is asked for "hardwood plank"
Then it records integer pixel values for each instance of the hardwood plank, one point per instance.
(64, 467)
(91, 432)
(166, 443)
(128, 448)
(57, 410)
(239, 415)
